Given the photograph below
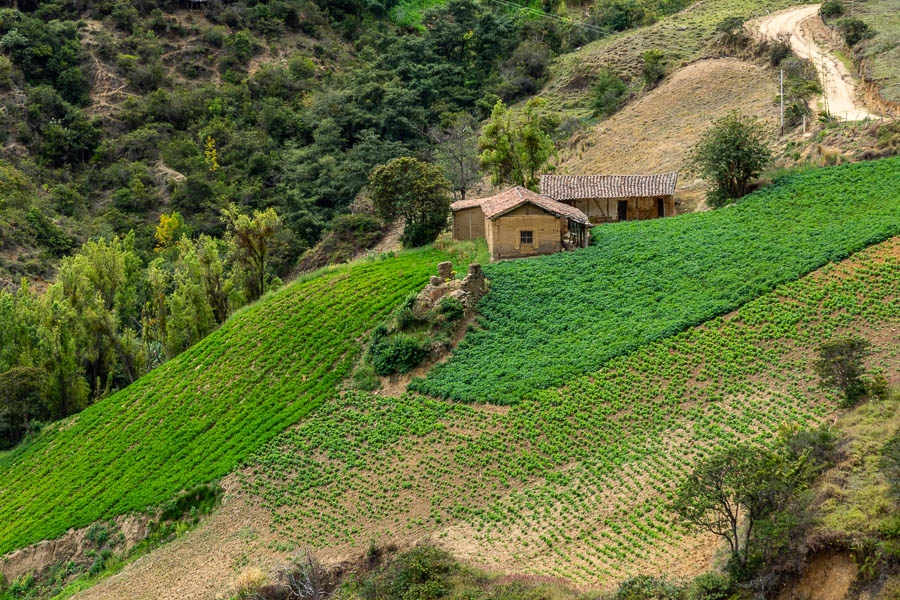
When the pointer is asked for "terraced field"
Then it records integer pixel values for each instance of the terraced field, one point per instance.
(572, 482)
(193, 419)
(553, 318)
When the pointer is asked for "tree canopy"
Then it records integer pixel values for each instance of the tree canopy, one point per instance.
(415, 191)
(729, 155)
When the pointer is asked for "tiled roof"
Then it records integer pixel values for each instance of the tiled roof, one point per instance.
(514, 197)
(580, 187)
(469, 203)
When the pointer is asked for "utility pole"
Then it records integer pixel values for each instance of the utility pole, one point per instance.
(782, 102)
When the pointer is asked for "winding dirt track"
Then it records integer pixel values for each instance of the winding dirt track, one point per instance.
(838, 82)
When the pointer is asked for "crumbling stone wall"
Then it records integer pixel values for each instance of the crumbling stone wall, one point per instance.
(468, 290)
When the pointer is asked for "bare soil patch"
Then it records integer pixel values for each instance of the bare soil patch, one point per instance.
(654, 134)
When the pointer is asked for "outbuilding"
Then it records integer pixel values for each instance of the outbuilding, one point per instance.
(611, 198)
(519, 222)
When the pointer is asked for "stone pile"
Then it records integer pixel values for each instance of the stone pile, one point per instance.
(468, 290)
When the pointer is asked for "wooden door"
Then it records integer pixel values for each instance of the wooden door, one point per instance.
(622, 210)
(660, 207)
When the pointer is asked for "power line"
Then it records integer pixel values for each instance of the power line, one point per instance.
(543, 14)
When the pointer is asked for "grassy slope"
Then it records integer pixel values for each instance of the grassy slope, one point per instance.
(552, 318)
(197, 416)
(883, 50)
(573, 482)
(683, 37)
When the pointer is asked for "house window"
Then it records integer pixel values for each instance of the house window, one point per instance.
(526, 238)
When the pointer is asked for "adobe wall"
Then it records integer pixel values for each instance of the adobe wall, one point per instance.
(468, 224)
(503, 235)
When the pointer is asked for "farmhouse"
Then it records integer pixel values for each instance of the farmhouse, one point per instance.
(519, 222)
(610, 198)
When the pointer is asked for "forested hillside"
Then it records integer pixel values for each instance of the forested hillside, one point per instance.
(114, 112)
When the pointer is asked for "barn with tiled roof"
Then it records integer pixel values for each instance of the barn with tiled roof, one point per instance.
(519, 222)
(610, 198)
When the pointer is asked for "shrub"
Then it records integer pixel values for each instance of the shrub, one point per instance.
(779, 51)
(889, 136)
(654, 67)
(710, 586)
(396, 354)
(451, 308)
(831, 8)
(645, 587)
(365, 379)
(99, 534)
(890, 464)
(608, 93)
(619, 15)
(301, 67)
(248, 582)
(48, 234)
(421, 573)
(840, 366)
(854, 30)
(404, 317)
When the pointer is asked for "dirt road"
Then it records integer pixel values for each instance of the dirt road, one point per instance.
(839, 84)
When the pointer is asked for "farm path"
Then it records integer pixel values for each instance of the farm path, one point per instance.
(839, 83)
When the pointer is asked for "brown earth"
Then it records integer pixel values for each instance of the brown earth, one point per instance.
(73, 546)
(654, 133)
(798, 24)
(827, 577)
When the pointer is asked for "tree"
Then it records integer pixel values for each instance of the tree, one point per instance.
(654, 67)
(457, 152)
(249, 238)
(414, 190)
(736, 485)
(607, 93)
(729, 155)
(515, 150)
(23, 400)
(840, 366)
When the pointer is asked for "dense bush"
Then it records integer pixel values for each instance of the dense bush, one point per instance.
(395, 354)
(451, 309)
(831, 8)
(607, 93)
(854, 30)
(647, 587)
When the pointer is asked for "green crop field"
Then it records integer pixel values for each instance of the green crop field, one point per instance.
(552, 318)
(572, 482)
(197, 416)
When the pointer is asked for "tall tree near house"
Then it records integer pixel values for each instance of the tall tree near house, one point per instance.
(250, 236)
(457, 152)
(729, 155)
(515, 150)
(414, 190)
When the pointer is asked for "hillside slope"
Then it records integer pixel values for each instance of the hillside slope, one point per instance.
(554, 317)
(193, 419)
(683, 38)
(653, 133)
(569, 484)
